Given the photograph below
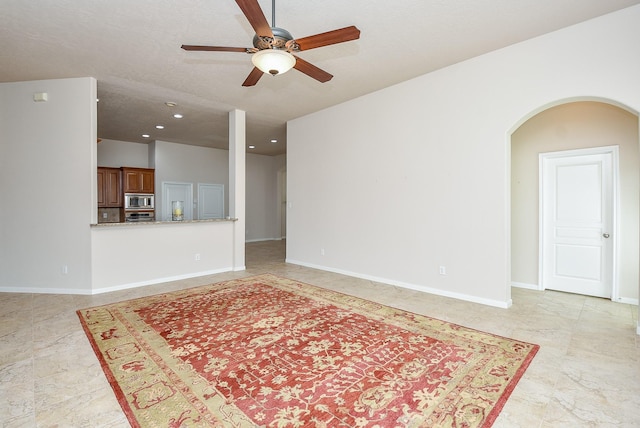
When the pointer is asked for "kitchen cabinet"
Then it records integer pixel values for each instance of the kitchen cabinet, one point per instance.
(109, 188)
(138, 180)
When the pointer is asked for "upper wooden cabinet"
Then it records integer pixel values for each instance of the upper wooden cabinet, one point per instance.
(138, 180)
(109, 187)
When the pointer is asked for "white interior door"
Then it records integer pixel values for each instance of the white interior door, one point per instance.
(577, 217)
(172, 191)
(210, 201)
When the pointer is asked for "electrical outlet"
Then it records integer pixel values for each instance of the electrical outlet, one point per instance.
(322, 251)
(65, 269)
(443, 270)
(197, 257)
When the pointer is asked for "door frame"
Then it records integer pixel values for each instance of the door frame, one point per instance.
(281, 196)
(615, 211)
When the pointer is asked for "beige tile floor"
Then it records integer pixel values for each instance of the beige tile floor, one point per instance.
(586, 374)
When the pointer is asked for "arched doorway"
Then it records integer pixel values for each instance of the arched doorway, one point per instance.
(569, 126)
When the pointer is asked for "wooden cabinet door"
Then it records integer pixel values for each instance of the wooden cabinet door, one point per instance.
(138, 180)
(109, 188)
(147, 181)
(101, 199)
(131, 180)
(113, 189)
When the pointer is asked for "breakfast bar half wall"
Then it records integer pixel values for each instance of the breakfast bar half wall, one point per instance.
(128, 255)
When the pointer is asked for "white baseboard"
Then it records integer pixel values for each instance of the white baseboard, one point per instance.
(35, 290)
(435, 291)
(159, 280)
(627, 300)
(115, 287)
(525, 285)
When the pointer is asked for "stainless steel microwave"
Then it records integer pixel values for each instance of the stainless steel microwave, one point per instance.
(138, 201)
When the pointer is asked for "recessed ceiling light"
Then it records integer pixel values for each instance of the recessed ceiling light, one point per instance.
(159, 126)
(145, 135)
(178, 116)
(252, 147)
(171, 104)
(274, 141)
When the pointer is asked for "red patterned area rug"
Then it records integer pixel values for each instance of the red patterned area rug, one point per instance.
(266, 351)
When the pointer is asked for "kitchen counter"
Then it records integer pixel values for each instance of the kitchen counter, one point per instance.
(147, 223)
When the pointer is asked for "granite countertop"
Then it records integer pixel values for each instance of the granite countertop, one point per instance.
(147, 223)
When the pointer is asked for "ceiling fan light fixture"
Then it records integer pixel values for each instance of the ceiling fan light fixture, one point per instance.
(273, 61)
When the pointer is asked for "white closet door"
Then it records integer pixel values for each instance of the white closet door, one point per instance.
(172, 191)
(210, 201)
(578, 223)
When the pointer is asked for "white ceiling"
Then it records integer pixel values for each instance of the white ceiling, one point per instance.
(132, 47)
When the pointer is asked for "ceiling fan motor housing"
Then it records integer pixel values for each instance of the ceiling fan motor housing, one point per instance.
(280, 40)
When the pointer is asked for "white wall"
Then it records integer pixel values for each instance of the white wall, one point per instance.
(566, 127)
(116, 154)
(190, 164)
(47, 177)
(262, 211)
(394, 184)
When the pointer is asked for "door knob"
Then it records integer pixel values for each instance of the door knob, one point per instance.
(606, 235)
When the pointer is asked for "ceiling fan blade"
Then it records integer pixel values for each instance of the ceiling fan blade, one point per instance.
(329, 38)
(253, 77)
(212, 48)
(311, 70)
(255, 16)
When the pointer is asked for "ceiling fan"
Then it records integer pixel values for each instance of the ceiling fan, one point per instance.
(273, 46)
